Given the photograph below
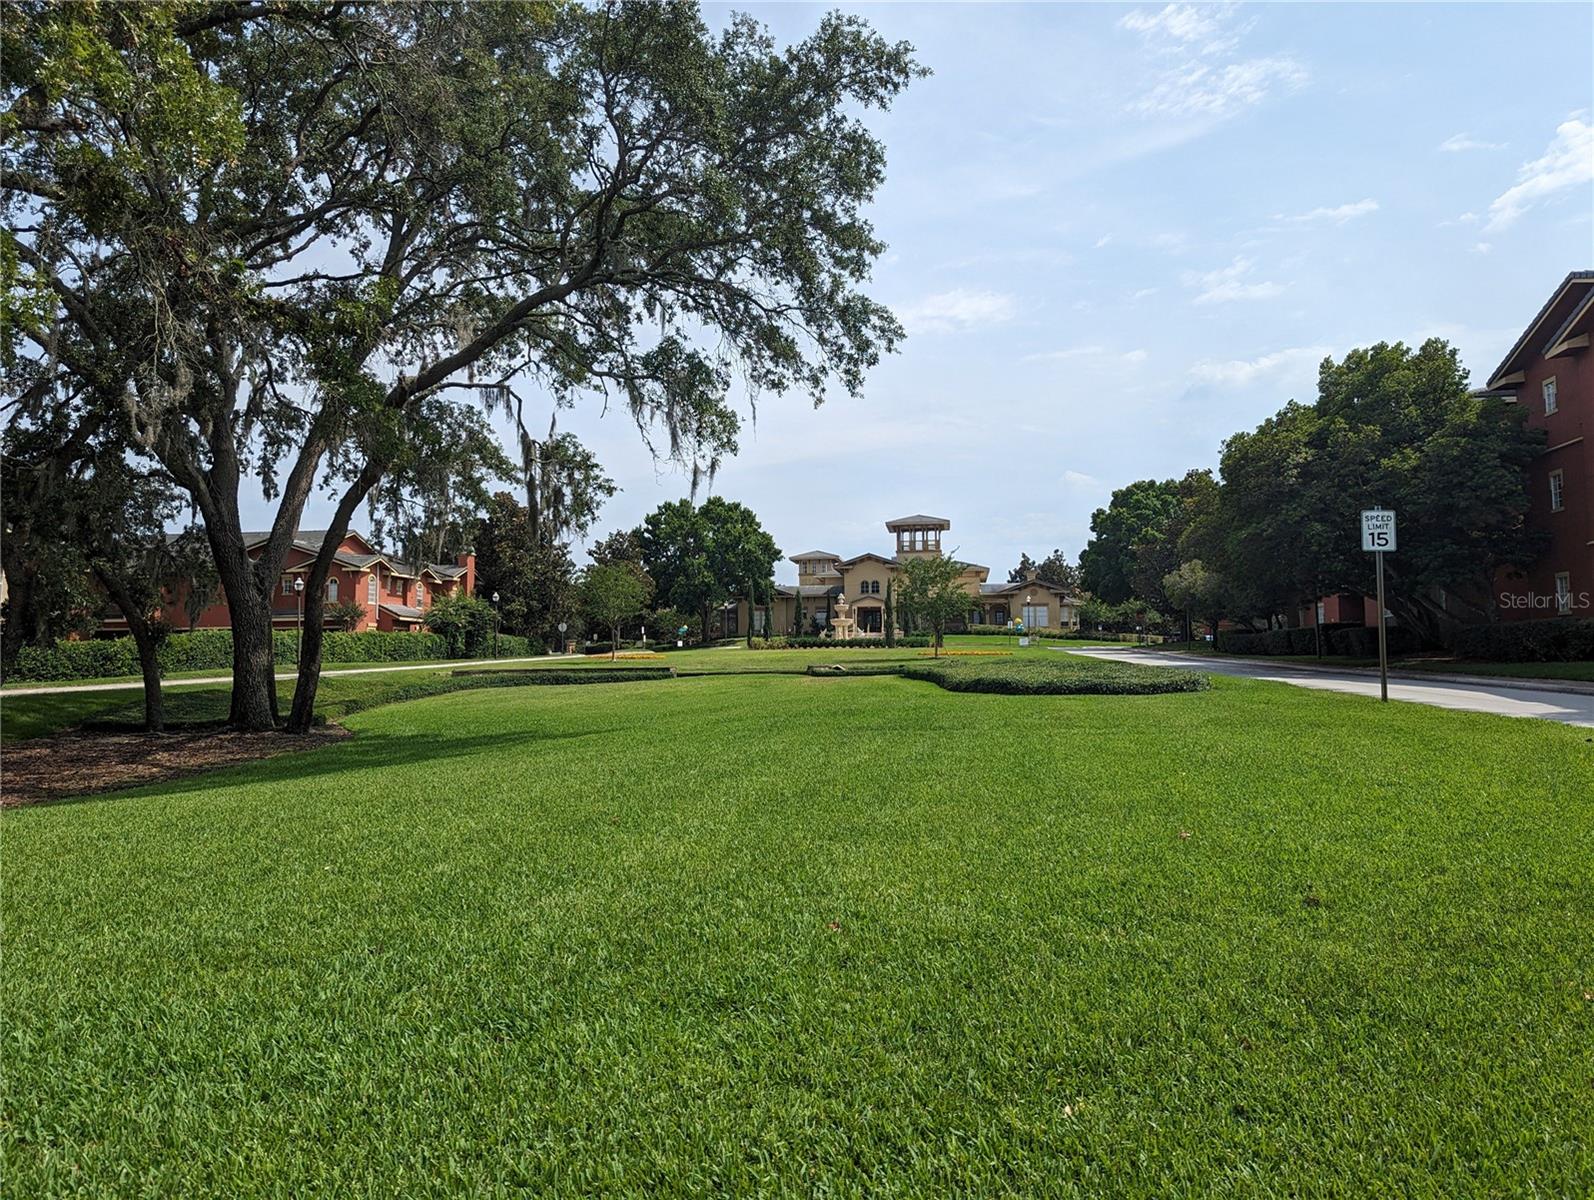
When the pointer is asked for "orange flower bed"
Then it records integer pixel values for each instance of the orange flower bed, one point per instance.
(967, 653)
(638, 654)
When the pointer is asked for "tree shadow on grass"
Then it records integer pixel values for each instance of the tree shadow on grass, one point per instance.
(362, 752)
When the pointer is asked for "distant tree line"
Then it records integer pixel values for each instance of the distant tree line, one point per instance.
(1277, 526)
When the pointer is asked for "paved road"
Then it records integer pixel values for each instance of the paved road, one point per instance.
(135, 686)
(1504, 700)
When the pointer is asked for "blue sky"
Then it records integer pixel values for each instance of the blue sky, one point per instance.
(1120, 233)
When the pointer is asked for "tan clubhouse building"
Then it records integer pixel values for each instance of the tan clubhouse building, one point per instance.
(825, 580)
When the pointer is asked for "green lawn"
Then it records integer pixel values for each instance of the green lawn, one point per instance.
(34, 716)
(805, 936)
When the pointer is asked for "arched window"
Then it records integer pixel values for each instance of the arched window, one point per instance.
(370, 588)
(332, 591)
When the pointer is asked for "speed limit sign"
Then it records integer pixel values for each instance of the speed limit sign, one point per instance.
(1378, 530)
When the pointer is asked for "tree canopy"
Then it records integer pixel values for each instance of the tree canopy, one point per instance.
(701, 556)
(262, 234)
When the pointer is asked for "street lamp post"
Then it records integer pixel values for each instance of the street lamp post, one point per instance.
(298, 592)
(496, 621)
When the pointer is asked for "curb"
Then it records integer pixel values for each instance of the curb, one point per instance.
(1518, 683)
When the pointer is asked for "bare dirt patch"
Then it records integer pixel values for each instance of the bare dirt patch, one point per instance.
(81, 763)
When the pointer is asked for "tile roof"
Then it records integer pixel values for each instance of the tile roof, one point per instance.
(920, 519)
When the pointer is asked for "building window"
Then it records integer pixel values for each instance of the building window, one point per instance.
(1547, 389)
(332, 591)
(287, 585)
(1321, 609)
(1557, 496)
(1035, 616)
(370, 588)
(420, 594)
(1563, 592)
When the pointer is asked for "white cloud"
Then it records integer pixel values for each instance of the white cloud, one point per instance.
(1568, 163)
(1078, 479)
(1230, 283)
(1065, 355)
(1481, 247)
(1206, 80)
(1456, 143)
(1203, 29)
(1333, 216)
(956, 311)
(1198, 90)
(1144, 293)
(1103, 240)
(1134, 358)
(1238, 372)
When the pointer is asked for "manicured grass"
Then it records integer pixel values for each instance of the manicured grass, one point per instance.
(810, 936)
(1057, 676)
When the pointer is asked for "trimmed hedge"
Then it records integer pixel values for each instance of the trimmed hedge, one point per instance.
(211, 650)
(554, 676)
(1304, 641)
(1045, 677)
(1559, 639)
(915, 641)
(1045, 634)
(856, 670)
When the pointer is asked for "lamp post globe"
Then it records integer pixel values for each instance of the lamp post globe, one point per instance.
(298, 595)
(495, 624)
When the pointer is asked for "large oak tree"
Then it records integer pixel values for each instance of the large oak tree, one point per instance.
(264, 232)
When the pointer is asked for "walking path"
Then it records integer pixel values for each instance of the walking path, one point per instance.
(137, 686)
(1549, 701)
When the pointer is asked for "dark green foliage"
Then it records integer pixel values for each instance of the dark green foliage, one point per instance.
(465, 623)
(1044, 635)
(1340, 641)
(701, 555)
(1137, 514)
(211, 649)
(1053, 677)
(1562, 639)
(909, 641)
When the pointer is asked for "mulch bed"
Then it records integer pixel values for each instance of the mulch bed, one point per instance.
(82, 762)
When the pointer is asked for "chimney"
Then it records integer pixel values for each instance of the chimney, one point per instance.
(468, 561)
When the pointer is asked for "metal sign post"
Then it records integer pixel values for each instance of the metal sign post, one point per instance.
(1378, 539)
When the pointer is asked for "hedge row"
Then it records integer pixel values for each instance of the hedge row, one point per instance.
(211, 650)
(1053, 677)
(1561, 639)
(1044, 634)
(1340, 641)
(912, 641)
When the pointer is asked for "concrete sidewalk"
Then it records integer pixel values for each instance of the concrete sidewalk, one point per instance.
(1558, 700)
(136, 686)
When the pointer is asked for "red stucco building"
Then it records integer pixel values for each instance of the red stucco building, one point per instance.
(393, 594)
(1550, 372)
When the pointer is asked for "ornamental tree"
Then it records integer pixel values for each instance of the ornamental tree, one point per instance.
(933, 594)
(612, 594)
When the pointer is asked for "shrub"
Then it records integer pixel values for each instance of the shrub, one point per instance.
(818, 643)
(1361, 642)
(1046, 634)
(855, 670)
(464, 622)
(1045, 677)
(211, 650)
(1559, 639)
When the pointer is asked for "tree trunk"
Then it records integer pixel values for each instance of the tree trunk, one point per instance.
(21, 618)
(138, 624)
(254, 686)
(315, 595)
